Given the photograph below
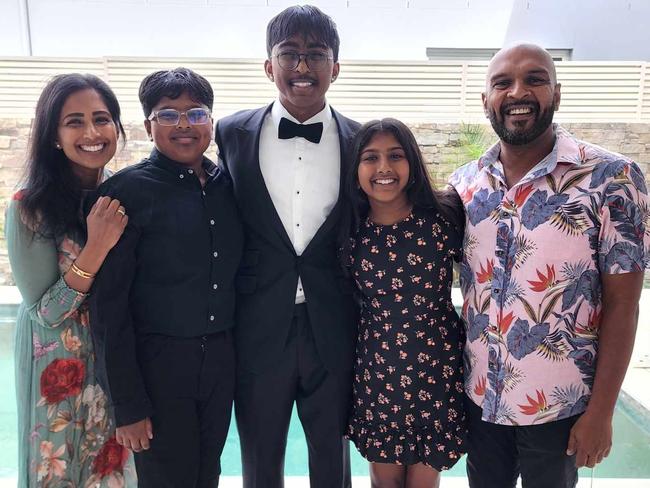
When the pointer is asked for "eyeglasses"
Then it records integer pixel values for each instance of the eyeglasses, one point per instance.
(169, 116)
(290, 60)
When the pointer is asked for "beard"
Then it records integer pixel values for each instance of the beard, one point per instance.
(520, 135)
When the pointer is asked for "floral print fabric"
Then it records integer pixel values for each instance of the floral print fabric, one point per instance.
(408, 380)
(530, 276)
(66, 435)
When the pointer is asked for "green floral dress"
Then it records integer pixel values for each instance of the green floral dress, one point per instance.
(66, 432)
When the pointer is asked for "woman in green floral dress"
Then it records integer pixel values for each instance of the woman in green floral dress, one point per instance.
(66, 432)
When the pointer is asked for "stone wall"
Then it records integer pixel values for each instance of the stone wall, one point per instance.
(444, 146)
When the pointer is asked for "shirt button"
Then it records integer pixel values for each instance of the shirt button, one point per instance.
(203, 192)
(499, 252)
(504, 215)
(190, 171)
(214, 286)
(299, 158)
(297, 225)
(215, 254)
(181, 176)
(497, 291)
(211, 318)
(211, 221)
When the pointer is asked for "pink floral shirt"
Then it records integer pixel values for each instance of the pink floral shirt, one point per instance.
(530, 276)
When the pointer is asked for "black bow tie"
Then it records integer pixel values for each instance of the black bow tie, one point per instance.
(289, 130)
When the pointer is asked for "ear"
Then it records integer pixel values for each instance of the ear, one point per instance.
(335, 71)
(484, 100)
(268, 69)
(147, 127)
(557, 95)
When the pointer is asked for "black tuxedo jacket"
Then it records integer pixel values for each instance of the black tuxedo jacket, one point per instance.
(268, 275)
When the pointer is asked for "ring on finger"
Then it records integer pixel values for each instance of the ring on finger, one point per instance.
(121, 211)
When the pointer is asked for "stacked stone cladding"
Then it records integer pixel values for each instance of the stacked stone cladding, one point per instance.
(442, 146)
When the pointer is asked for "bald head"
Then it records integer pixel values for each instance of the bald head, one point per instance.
(520, 51)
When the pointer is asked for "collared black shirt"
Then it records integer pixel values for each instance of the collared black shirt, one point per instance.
(172, 272)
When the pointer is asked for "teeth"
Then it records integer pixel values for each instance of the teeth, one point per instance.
(302, 84)
(519, 111)
(385, 181)
(95, 148)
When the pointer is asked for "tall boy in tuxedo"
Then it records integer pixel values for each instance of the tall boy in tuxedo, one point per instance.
(296, 321)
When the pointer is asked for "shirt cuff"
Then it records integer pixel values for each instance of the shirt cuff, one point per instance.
(131, 412)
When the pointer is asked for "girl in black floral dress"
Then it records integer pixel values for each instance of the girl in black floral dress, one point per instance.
(407, 417)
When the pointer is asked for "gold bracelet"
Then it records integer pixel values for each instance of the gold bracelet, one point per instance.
(80, 272)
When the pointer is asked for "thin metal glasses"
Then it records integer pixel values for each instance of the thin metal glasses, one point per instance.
(290, 60)
(169, 116)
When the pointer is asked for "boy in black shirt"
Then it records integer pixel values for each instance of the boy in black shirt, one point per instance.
(163, 303)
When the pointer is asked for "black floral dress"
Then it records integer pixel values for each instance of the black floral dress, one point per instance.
(408, 378)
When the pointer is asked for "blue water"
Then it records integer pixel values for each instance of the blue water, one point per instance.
(629, 458)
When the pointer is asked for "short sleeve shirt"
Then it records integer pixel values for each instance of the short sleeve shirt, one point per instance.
(531, 274)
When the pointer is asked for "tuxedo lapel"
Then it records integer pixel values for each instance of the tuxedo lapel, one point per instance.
(262, 209)
(346, 135)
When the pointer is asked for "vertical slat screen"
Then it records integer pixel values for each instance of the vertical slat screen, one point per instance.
(645, 95)
(444, 91)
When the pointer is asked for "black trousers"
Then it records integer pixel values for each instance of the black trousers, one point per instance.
(191, 384)
(498, 454)
(263, 405)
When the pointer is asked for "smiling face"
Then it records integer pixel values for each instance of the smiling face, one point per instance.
(301, 90)
(521, 94)
(87, 133)
(183, 142)
(383, 172)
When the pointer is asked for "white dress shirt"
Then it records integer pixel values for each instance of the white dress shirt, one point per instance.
(302, 177)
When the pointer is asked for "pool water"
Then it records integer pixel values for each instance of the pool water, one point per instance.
(629, 457)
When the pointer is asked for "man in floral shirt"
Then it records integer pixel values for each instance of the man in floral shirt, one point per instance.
(555, 249)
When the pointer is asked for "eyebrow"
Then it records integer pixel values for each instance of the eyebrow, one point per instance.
(537, 71)
(80, 114)
(196, 105)
(372, 149)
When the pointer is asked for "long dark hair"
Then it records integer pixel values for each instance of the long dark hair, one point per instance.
(419, 190)
(52, 192)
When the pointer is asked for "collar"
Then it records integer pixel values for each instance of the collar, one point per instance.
(565, 150)
(278, 111)
(168, 164)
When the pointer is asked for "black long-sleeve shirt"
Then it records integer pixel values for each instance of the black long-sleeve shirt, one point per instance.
(171, 273)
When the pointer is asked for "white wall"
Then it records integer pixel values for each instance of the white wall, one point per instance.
(595, 29)
(369, 29)
(12, 35)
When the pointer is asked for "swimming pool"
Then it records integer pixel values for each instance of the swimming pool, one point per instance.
(630, 456)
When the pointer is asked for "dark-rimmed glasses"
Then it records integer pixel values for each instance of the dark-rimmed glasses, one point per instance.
(170, 116)
(289, 60)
